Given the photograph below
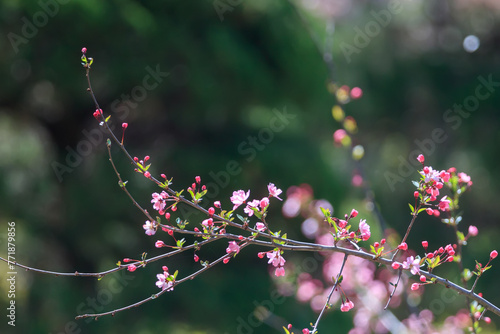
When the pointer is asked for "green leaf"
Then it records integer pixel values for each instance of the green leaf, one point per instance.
(107, 119)
(411, 208)
(326, 212)
(415, 183)
(181, 242)
(460, 236)
(286, 330)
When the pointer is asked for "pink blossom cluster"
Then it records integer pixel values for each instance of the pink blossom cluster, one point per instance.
(276, 259)
(432, 181)
(165, 280)
(342, 227)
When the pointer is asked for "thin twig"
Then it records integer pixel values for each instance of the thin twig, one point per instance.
(314, 330)
(156, 295)
(394, 290)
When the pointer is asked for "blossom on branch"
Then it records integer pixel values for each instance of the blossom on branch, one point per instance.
(159, 201)
(239, 197)
(273, 191)
(150, 228)
(346, 306)
(277, 260)
(412, 264)
(164, 282)
(364, 229)
(233, 247)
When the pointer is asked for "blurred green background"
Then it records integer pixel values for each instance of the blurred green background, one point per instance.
(232, 66)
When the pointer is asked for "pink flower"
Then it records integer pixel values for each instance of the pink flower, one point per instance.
(131, 267)
(159, 244)
(226, 260)
(364, 229)
(305, 331)
(196, 258)
(217, 204)
(353, 214)
(264, 203)
(280, 271)
(211, 211)
(208, 222)
(493, 254)
(233, 247)
(149, 227)
(249, 208)
(462, 177)
(342, 223)
(84, 50)
(124, 125)
(273, 191)
(276, 259)
(197, 179)
(422, 278)
(415, 286)
(445, 176)
(425, 244)
(346, 306)
(444, 204)
(239, 197)
(403, 246)
(473, 231)
(147, 174)
(163, 282)
(261, 227)
(395, 265)
(421, 158)
(412, 264)
(97, 114)
(159, 201)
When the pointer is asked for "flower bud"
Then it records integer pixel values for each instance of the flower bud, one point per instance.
(493, 254)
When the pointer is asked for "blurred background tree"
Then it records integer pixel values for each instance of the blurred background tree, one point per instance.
(232, 65)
